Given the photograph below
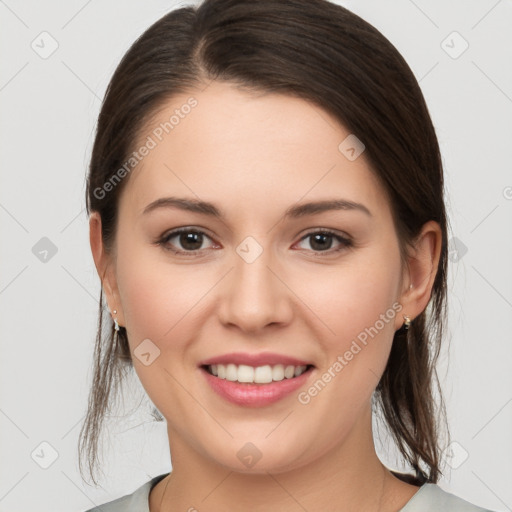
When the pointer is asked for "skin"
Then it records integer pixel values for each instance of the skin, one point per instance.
(254, 156)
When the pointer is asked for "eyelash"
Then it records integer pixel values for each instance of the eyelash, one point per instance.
(346, 243)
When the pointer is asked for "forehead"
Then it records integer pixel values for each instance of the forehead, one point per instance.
(228, 144)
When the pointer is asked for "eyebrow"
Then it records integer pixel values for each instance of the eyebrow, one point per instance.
(294, 212)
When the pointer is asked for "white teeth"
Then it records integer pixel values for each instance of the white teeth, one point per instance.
(278, 372)
(231, 372)
(245, 373)
(258, 375)
(289, 372)
(263, 374)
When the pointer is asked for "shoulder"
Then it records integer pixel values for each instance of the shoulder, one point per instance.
(137, 501)
(431, 497)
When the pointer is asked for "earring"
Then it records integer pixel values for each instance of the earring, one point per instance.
(116, 325)
(407, 322)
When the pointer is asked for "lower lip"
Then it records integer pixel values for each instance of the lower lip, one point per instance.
(255, 395)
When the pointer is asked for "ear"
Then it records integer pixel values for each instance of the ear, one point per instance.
(105, 268)
(420, 272)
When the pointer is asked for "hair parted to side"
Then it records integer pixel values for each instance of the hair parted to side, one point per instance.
(325, 54)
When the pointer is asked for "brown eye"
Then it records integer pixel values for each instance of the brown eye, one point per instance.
(185, 241)
(322, 241)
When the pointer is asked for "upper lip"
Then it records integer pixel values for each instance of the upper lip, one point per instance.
(261, 359)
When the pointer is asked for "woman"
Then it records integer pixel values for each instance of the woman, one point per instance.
(267, 220)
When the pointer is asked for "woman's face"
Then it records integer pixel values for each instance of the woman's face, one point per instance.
(256, 281)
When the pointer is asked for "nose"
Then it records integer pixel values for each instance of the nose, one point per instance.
(255, 295)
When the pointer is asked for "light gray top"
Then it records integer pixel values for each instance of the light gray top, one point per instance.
(428, 498)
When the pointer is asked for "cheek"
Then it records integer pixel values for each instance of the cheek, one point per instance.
(161, 301)
(353, 297)
(357, 307)
(164, 303)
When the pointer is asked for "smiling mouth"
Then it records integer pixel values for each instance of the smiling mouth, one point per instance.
(265, 374)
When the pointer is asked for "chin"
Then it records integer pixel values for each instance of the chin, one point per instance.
(259, 457)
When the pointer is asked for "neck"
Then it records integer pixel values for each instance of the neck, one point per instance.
(349, 476)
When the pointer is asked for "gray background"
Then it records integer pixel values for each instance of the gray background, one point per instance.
(49, 306)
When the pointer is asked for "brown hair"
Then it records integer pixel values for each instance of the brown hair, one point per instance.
(323, 53)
